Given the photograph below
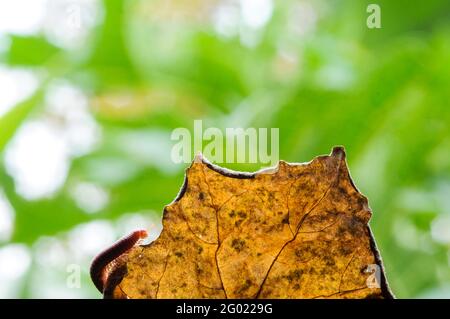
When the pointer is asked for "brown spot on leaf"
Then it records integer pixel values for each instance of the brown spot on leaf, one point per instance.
(238, 244)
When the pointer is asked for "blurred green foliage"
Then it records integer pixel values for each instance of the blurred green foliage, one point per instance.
(382, 93)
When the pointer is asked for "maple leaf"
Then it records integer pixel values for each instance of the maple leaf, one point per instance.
(293, 231)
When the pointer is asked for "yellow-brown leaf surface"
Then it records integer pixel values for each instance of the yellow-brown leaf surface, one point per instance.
(294, 231)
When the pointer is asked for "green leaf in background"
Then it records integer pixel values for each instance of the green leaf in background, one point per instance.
(11, 121)
(29, 51)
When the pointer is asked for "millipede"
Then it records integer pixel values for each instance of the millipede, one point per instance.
(100, 263)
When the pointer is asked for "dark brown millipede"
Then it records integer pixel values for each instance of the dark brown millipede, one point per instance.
(102, 260)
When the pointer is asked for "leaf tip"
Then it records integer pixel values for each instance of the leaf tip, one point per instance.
(198, 158)
(338, 151)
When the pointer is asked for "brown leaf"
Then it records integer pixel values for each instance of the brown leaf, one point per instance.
(294, 231)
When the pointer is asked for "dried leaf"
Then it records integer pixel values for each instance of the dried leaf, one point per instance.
(294, 231)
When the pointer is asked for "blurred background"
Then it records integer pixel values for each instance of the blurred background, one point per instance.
(90, 92)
